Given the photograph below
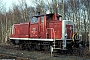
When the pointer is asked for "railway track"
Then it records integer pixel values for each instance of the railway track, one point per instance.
(10, 57)
(12, 52)
(6, 54)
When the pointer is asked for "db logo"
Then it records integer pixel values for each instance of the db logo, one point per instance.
(33, 30)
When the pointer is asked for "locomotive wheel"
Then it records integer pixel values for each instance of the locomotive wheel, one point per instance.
(20, 46)
(29, 46)
(23, 47)
(38, 47)
(46, 47)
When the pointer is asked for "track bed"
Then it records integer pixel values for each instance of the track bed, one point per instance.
(9, 52)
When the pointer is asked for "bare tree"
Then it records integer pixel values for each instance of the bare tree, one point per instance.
(23, 8)
(2, 9)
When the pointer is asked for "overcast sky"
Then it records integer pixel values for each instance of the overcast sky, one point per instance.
(9, 3)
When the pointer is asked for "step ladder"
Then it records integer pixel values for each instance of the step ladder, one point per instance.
(55, 45)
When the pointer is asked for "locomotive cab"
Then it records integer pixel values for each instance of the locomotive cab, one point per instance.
(49, 28)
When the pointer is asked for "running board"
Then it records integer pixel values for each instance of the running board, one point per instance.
(57, 48)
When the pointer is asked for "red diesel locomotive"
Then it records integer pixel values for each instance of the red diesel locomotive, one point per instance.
(42, 32)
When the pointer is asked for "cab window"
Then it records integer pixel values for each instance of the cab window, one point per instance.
(42, 18)
(34, 19)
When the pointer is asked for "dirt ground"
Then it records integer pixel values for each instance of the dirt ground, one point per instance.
(38, 55)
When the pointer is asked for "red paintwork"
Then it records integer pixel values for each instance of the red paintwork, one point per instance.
(57, 28)
(47, 29)
(20, 31)
(15, 31)
(34, 30)
(69, 32)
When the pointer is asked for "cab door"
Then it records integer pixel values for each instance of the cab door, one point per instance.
(42, 28)
(34, 27)
(69, 31)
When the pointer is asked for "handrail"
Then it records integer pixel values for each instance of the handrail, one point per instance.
(51, 34)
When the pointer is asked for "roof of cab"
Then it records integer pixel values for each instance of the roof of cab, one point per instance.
(46, 15)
